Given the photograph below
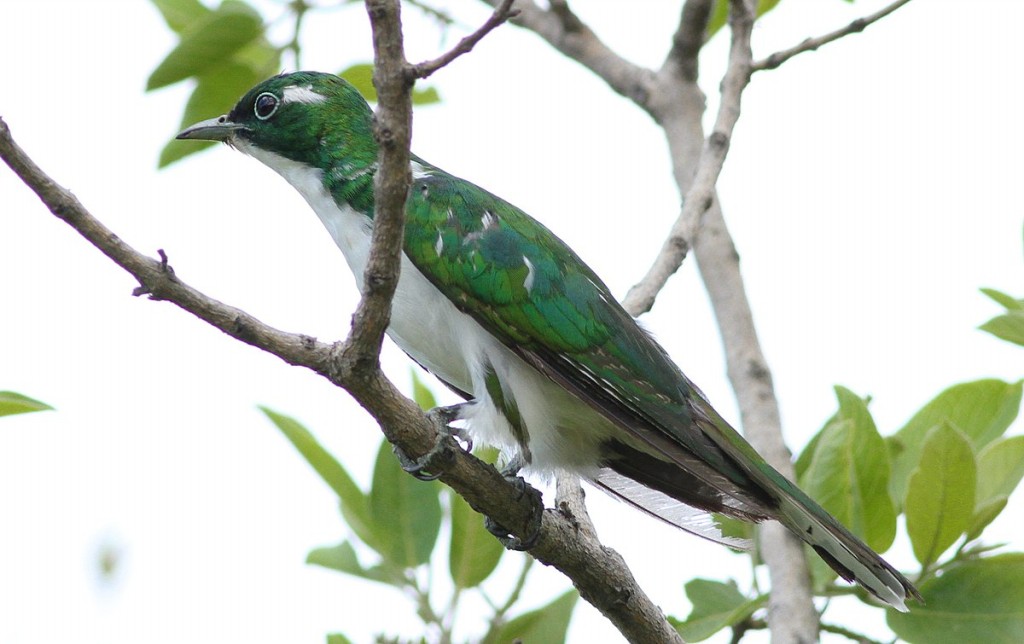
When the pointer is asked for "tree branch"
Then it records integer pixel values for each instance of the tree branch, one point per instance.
(689, 38)
(701, 192)
(564, 31)
(775, 60)
(502, 13)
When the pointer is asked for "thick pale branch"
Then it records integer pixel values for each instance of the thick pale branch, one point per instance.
(689, 38)
(564, 31)
(502, 13)
(701, 192)
(811, 44)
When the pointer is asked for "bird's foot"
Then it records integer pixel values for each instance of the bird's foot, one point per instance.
(429, 466)
(511, 473)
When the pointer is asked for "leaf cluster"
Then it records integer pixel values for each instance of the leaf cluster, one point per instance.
(398, 519)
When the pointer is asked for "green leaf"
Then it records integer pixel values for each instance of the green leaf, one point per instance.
(208, 43)
(354, 503)
(343, 558)
(474, 552)
(716, 605)
(977, 601)
(848, 473)
(337, 638)
(422, 394)
(982, 409)
(14, 403)
(1011, 303)
(1009, 327)
(405, 511)
(361, 77)
(1000, 468)
(985, 514)
(180, 14)
(940, 496)
(547, 624)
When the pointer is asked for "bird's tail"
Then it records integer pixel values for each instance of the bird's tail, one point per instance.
(845, 553)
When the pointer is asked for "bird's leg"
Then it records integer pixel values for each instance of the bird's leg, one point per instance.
(511, 473)
(425, 468)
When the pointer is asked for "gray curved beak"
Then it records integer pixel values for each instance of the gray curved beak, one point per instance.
(215, 129)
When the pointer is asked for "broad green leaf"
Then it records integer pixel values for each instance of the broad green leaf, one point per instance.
(474, 552)
(982, 409)
(848, 473)
(716, 605)
(1008, 326)
(977, 601)
(337, 638)
(1011, 303)
(361, 77)
(15, 403)
(406, 512)
(208, 43)
(422, 394)
(940, 496)
(547, 624)
(354, 503)
(720, 14)
(343, 558)
(985, 514)
(217, 92)
(1000, 468)
(180, 14)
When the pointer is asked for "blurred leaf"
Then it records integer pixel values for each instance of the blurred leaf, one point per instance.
(1011, 303)
(343, 558)
(982, 409)
(14, 403)
(422, 394)
(1008, 326)
(361, 77)
(716, 605)
(179, 14)
(977, 601)
(985, 514)
(848, 473)
(337, 638)
(217, 92)
(474, 552)
(406, 512)
(1000, 469)
(354, 503)
(209, 42)
(940, 496)
(720, 14)
(547, 624)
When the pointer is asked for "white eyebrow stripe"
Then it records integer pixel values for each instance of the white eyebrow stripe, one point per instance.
(296, 94)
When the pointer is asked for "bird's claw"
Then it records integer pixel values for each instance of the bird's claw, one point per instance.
(503, 534)
(430, 466)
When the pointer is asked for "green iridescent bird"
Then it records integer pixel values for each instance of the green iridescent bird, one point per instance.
(502, 311)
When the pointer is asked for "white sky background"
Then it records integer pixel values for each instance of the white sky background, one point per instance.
(872, 188)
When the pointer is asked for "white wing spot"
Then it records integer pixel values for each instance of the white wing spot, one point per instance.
(439, 245)
(296, 94)
(489, 220)
(419, 171)
(530, 273)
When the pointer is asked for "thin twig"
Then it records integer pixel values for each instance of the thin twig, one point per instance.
(701, 193)
(849, 634)
(502, 13)
(811, 44)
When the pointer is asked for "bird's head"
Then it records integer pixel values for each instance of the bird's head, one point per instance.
(303, 116)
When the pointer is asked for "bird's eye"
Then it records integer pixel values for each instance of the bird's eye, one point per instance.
(265, 106)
